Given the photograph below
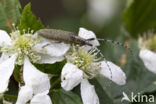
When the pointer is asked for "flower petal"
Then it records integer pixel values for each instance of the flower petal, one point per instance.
(71, 76)
(25, 94)
(88, 93)
(3, 57)
(86, 34)
(6, 70)
(41, 98)
(5, 38)
(52, 48)
(149, 59)
(49, 59)
(115, 73)
(38, 80)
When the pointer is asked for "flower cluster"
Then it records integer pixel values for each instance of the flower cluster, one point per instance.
(22, 49)
(83, 63)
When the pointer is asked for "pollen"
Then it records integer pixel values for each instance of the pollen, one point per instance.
(85, 60)
(148, 42)
(152, 43)
(22, 45)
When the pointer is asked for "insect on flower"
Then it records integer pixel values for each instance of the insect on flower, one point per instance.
(73, 38)
(85, 63)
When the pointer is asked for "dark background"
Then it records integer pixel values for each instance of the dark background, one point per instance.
(72, 14)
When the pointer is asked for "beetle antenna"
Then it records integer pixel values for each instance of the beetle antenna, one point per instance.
(105, 61)
(117, 43)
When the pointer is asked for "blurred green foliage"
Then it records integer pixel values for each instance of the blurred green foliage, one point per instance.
(139, 79)
(140, 16)
(9, 14)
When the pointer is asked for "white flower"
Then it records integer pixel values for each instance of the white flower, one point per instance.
(20, 50)
(36, 85)
(149, 59)
(82, 64)
(147, 45)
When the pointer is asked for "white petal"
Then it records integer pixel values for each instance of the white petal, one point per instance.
(149, 59)
(52, 48)
(6, 70)
(41, 98)
(25, 94)
(49, 59)
(3, 57)
(38, 80)
(113, 72)
(71, 76)
(88, 93)
(4, 38)
(86, 34)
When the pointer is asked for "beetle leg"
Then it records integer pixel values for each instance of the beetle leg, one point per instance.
(45, 45)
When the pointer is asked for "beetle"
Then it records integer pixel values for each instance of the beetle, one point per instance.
(64, 36)
(72, 38)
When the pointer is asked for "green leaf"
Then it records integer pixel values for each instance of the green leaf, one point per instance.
(102, 94)
(64, 97)
(151, 88)
(9, 14)
(51, 68)
(13, 88)
(29, 21)
(140, 16)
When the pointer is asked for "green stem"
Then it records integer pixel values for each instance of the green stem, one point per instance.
(55, 83)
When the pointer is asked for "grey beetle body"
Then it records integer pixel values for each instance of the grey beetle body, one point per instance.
(63, 36)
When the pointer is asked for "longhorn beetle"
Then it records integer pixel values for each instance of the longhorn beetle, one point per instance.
(72, 38)
(64, 36)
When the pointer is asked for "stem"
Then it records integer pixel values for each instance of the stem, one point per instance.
(21, 77)
(55, 83)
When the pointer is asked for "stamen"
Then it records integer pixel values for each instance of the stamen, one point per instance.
(85, 60)
(14, 28)
(28, 30)
(22, 45)
(148, 41)
(24, 31)
(32, 31)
